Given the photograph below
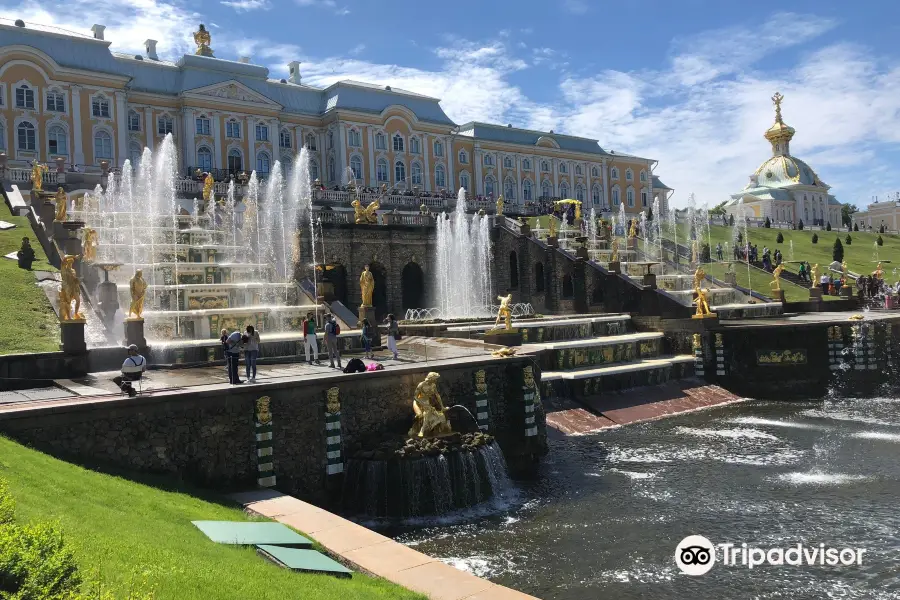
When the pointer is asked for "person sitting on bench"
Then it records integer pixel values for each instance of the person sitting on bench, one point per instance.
(132, 370)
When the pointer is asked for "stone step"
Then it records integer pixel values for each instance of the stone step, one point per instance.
(588, 382)
(597, 351)
(598, 341)
(626, 367)
(546, 323)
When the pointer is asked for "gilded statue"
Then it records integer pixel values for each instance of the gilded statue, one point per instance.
(695, 252)
(775, 284)
(69, 291)
(90, 243)
(500, 205)
(263, 411)
(138, 288)
(37, 176)
(365, 215)
(699, 276)
(208, 185)
(844, 273)
(814, 275)
(504, 312)
(878, 272)
(577, 210)
(366, 286)
(430, 420)
(702, 303)
(62, 205)
(552, 225)
(614, 255)
(203, 40)
(632, 231)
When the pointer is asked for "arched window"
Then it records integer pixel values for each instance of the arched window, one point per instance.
(204, 159)
(399, 171)
(629, 197)
(310, 141)
(509, 189)
(416, 172)
(489, 160)
(2, 137)
(203, 125)
(262, 132)
(489, 186)
(100, 106)
(440, 177)
(538, 277)
(134, 121)
(313, 170)
(165, 125)
(398, 143)
(563, 167)
(56, 141)
(438, 148)
(614, 173)
(464, 181)
(595, 172)
(643, 175)
(507, 162)
(629, 175)
(644, 198)
(526, 164)
(102, 145)
(331, 171)
(24, 97)
(513, 270)
(595, 194)
(546, 190)
(135, 154)
(563, 190)
(56, 101)
(235, 161)
(356, 167)
(527, 195)
(463, 157)
(579, 193)
(354, 139)
(284, 139)
(578, 169)
(615, 196)
(545, 166)
(414, 146)
(381, 171)
(380, 142)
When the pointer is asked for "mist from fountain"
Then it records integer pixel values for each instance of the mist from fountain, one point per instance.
(305, 208)
(623, 221)
(659, 237)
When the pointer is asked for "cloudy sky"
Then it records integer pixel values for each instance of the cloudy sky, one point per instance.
(686, 82)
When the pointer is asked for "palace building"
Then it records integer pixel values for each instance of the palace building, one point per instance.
(68, 96)
(784, 188)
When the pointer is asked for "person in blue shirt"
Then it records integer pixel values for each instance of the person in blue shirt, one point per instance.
(233, 346)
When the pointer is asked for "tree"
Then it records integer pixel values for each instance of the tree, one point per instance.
(837, 253)
(800, 225)
(847, 211)
(879, 241)
(780, 238)
(828, 226)
(768, 223)
(704, 254)
(815, 238)
(848, 239)
(731, 220)
(718, 209)
(856, 227)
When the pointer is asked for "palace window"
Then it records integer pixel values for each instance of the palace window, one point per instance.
(464, 181)
(235, 161)
(526, 191)
(26, 137)
(310, 142)
(354, 139)
(102, 145)
(356, 167)
(579, 193)
(414, 146)
(134, 121)
(398, 143)
(262, 164)
(233, 129)
(463, 157)
(438, 148)
(643, 175)
(416, 172)
(595, 172)
(313, 170)
(489, 186)
(643, 198)
(331, 173)
(164, 125)
(262, 134)
(595, 195)
(545, 166)
(24, 97)
(564, 190)
(629, 197)
(578, 169)
(381, 171)
(614, 174)
(204, 159)
(2, 137)
(440, 178)
(56, 101)
(399, 171)
(615, 196)
(507, 163)
(380, 142)
(629, 175)
(509, 189)
(563, 167)
(135, 154)
(100, 106)
(488, 160)
(546, 190)
(284, 139)
(202, 126)
(526, 164)
(57, 142)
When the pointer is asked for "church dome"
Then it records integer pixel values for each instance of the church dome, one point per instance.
(782, 171)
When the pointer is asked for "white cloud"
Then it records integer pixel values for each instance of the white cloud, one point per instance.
(576, 7)
(330, 4)
(248, 5)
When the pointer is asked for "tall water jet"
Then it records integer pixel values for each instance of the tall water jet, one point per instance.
(305, 200)
(658, 216)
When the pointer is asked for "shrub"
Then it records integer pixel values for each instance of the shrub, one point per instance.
(848, 239)
(731, 220)
(828, 226)
(856, 227)
(768, 223)
(800, 225)
(837, 253)
(879, 241)
(704, 253)
(780, 238)
(7, 505)
(815, 238)
(36, 563)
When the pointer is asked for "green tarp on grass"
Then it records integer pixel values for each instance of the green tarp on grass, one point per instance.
(251, 534)
(303, 560)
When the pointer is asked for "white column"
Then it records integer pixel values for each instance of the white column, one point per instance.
(340, 153)
(78, 155)
(604, 172)
(478, 157)
(370, 134)
(275, 129)
(323, 158)
(189, 130)
(521, 195)
(121, 128)
(426, 168)
(451, 182)
(149, 129)
(250, 164)
(555, 164)
(217, 140)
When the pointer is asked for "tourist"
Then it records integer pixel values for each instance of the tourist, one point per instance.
(332, 331)
(132, 370)
(801, 272)
(823, 283)
(719, 255)
(310, 343)
(393, 334)
(367, 338)
(233, 356)
(251, 352)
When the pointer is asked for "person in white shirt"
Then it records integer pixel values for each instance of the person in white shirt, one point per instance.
(132, 370)
(823, 283)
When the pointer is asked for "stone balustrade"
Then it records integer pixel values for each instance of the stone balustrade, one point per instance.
(20, 175)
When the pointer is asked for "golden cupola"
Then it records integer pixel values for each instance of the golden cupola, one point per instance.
(779, 134)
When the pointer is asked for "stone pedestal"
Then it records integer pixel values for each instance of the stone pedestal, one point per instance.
(553, 242)
(731, 278)
(581, 252)
(47, 210)
(708, 320)
(71, 335)
(503, 337)
(778, 296)
(815, 294)
(632, 243)
(650, 280)
(368, 312)
(845, 291)
(134, 332)
(615, 266)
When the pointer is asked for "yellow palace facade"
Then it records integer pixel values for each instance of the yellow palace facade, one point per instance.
(67, 97)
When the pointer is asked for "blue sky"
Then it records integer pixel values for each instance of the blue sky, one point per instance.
(685, 82)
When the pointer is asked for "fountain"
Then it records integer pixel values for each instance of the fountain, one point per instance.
(463, 274)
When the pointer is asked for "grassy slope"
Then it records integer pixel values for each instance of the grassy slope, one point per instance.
(123, 527)
(27, 321)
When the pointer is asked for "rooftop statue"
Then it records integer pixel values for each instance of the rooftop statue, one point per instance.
(430, 420)
(69, 291)
(366, 286)
(62, 205)
(138, 288)
(504, 312)
(203, 40)
(37, 176)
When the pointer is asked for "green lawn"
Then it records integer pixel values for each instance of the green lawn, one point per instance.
(121, 528)
(760, 281)
(27, 321)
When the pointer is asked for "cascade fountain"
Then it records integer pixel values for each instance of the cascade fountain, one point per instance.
(463, 286)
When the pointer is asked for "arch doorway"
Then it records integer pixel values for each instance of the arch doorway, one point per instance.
(335, 284)
(379, 294)
(412, 287)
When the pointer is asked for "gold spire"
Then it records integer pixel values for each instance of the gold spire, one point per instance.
(777, 98)
(203, 40)
(779, 134)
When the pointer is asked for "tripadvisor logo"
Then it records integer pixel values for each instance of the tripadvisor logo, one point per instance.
(696, 555)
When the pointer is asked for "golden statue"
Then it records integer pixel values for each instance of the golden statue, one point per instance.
(62, 205)
(365, 215)
(37, 176)
(203, 39)
(208, 184)
(552, 225)
(702, 303)
(430, 419)
(504, 352)
(614, 256)
(577, 211)
(263, 412)
(500, 205)
(504, 312)
(878, 272)
(814, 275)
(699, 276)
(695, 252)
(138, 288)
(90, 243)
(69, 291)
(632, 231)
(366, 286)
(844, 273)
(775, 284)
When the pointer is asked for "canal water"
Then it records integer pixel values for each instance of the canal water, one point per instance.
(605, 514)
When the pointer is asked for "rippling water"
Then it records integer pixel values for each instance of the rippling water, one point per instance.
(604, 516)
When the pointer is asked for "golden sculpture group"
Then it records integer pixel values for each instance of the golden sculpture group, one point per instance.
(37, 176)
(431, 419)
(500, 205)
(203, 40)
(69, 290)
(775, 284)
(62, 205)
(702, 300)
(366, 286)
(138, 288)
(504, 312)
(365, 215)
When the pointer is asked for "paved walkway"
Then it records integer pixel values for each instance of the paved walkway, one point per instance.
(374, 553)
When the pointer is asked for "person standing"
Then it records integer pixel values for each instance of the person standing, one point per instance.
(393, 334)
(310, 343)
(332, 331)
(233, 356)
(367, 338)
(251, 352)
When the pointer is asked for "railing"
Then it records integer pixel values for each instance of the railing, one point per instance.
(223, 175)
(16, 175)
(334, 217)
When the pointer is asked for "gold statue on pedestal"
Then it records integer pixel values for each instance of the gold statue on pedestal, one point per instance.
(69, 290)
(632, 231)
(365, 215)
(37, 176)
(844, 276)
(208, 185)
(878, 272)
(699, 276)
(366, 286)
(203, 40)
(614, 256)
(814, 275)
(504, 312)
(62, 205)
(702, 303)
(138, 288)
(775, 284)
(90, 243)
(430, 419)
(552, 225)
(500, 205)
